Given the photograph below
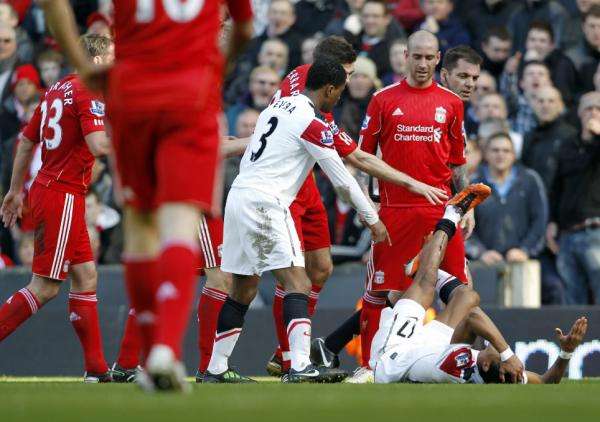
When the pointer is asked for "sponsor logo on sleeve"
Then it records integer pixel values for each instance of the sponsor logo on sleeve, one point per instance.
(365, 123)
(327, 138)
(334, 128)
(97, 108)
(440, 115)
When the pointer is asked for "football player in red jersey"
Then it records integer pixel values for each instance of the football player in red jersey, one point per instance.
(163, 101)
(69, 123)
(418, 125)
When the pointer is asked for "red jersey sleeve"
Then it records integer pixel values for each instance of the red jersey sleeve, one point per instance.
(371, 127)
(90, 111)
(457, 136)
(32, 130)
(240, 10)
(342, 142)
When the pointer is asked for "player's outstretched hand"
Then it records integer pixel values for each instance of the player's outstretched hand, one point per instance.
(12, 208)
(511, 370)
(435, 196)
(95, 77)
(467, 224)
(569, 342)
(379, 232)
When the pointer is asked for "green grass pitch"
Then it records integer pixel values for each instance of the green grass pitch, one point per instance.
(67, 399)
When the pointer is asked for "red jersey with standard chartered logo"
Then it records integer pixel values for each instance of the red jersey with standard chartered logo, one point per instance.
(66, 114)
(167, 51)
(420, 132)
(293, 84)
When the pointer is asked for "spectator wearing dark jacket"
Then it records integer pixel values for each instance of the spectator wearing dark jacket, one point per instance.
(511, 222)
(586, 54)
(485, 14)
(378, 32)
(313, 15)
(540, 46)
(576, 208)
(495, 47)
(538, 10)
(438, 20)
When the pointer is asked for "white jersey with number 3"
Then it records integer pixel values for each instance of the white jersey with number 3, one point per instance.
(288, 140)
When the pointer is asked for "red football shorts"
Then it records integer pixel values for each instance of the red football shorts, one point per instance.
(168, 156)
(210, 232)
(61, 236)
(310, 217)
(408, 228)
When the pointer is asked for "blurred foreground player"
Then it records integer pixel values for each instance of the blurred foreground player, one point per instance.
(69, 123)
(405, 350)
(163, 97)
(259, 231)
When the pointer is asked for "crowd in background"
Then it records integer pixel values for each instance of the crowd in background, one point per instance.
(532, 122)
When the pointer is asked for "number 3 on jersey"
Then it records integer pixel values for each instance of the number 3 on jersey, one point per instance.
(53, 115)
(263, 139)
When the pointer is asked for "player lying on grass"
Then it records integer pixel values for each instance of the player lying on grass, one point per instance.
(405, 350)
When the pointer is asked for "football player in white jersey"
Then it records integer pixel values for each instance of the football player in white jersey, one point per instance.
(259, 234)
(405, 350)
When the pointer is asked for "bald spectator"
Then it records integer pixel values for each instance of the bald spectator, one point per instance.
(438, 20)
(540, 46)
(379, 29)
(263, 84)
(511, 222)
(586, 55)
(496, 46)
(575, 208)
(274, 53)
(528, 11)
(9, 16)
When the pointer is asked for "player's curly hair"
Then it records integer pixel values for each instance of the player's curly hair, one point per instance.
(325, 72)
(335, 48)
(95, 45)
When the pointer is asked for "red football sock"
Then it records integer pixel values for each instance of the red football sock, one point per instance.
(313, 298)
(83, 314)
(17, 309)
(131, 343)
(369, 324)
(175, 294)
(141, 279)
(209, 306)
(280, 328)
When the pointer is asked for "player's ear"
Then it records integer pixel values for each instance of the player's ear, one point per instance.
(438, 57)
(444, 76)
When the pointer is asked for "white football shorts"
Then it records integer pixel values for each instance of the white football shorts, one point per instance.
(259, 234)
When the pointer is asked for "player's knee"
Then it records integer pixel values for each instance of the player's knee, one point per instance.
(217, 279)
(140, 234)
(466, 295)
(319, 266)
(243, 290)
(44, 289)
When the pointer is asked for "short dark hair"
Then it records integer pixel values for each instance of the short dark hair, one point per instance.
(325, 72)
(460, 52)
(95, 45)
(383, 4)
(593, 11)
(542, 26)
(497, 32)
(492, 375)
(533, 63)
(335, 48)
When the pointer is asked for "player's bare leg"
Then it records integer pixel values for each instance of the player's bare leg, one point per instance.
(319, 267)
(83, 314)
(215, 292)
(228, 330)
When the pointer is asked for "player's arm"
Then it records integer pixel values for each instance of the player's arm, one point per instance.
(478, 323)
(12, 205)
(242, 30)
(98, 143)
(568, 344)
(232, 146)
(376, 167)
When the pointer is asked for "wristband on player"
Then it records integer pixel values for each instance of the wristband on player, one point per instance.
(565, 355)
(506, 355)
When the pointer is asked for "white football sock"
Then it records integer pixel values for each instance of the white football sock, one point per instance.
(452, 213)
(299, 340)
(222, 349)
